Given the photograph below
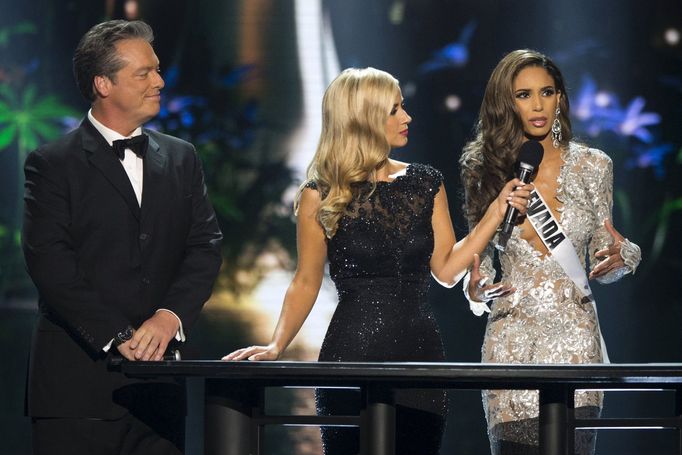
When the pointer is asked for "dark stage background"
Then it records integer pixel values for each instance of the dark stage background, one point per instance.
(244, 82)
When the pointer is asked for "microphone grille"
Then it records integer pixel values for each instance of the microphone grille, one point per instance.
(531, 153)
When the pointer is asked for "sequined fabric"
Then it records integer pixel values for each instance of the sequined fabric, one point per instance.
(544, 321)
(379, 261)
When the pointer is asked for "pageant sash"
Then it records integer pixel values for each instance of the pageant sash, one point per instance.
(562, 250)
(560, 246)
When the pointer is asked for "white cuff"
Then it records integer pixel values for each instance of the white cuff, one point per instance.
(632, 256)
(476, 307)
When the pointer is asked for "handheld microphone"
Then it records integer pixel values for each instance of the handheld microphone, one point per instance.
(529, 158)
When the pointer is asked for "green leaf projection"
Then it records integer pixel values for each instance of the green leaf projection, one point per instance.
(28, 118)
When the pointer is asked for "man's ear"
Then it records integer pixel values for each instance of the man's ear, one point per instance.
(102, 85)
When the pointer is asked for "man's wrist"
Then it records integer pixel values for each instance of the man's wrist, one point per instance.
(124, 335)
(180, 334)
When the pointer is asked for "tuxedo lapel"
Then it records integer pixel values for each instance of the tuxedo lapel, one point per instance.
(154, 167)
(152, 183)
(103, 158)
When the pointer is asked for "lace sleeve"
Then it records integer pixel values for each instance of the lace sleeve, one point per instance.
(602, 201)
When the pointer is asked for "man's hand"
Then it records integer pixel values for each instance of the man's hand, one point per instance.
(126, 351)
(152, 337)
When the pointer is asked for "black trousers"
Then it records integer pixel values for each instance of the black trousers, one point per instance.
(154, 424)
(128, 435)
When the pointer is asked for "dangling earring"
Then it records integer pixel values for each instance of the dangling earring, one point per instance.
(556, 129)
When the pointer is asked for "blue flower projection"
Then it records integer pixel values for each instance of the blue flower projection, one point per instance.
(238, 75)
(650, 156)
(454, 55)
(600, 110)
(194, 118)
(176, 110)
(635, 121)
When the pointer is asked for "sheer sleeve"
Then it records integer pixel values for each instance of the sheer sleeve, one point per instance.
(486, 269)
(602, 202)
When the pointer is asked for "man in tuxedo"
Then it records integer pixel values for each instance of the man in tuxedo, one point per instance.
(123, 246)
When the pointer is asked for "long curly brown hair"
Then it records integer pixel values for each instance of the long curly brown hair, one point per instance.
(487, 162)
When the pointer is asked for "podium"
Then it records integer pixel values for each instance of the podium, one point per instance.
(235, 399)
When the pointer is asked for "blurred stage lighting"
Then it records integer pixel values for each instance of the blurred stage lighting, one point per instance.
(453, 103)
(396, 12)
(132, 9)
(672, 36)
(602, 99)
(409, 89)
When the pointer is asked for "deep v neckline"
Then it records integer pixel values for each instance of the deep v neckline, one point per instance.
(557, 211)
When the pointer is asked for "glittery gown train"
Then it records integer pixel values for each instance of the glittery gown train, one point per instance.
(379, 262)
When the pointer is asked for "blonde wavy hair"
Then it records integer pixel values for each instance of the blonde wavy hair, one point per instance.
(353, 142)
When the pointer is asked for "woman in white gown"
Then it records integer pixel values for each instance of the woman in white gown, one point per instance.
(548, 319)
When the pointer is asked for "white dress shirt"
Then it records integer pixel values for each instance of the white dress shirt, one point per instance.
(134, 167)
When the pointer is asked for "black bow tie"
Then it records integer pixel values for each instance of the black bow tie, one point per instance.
(137, 144)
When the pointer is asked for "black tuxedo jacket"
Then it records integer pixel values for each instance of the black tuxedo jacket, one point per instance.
(101, 262)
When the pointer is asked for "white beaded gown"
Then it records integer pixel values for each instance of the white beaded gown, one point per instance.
(545, 320)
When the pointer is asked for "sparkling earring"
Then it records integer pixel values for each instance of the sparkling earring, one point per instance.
(556, 129)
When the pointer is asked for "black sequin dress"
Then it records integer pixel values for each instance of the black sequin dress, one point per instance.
(379, 261)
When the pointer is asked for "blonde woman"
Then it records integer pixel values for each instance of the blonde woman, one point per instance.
(384, 226)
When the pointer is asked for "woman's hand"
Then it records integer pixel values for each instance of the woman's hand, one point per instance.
(611, 257)
(516, 194)
(480, 291)
(269, 352)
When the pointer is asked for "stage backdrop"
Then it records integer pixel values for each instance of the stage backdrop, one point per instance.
(244, 83)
